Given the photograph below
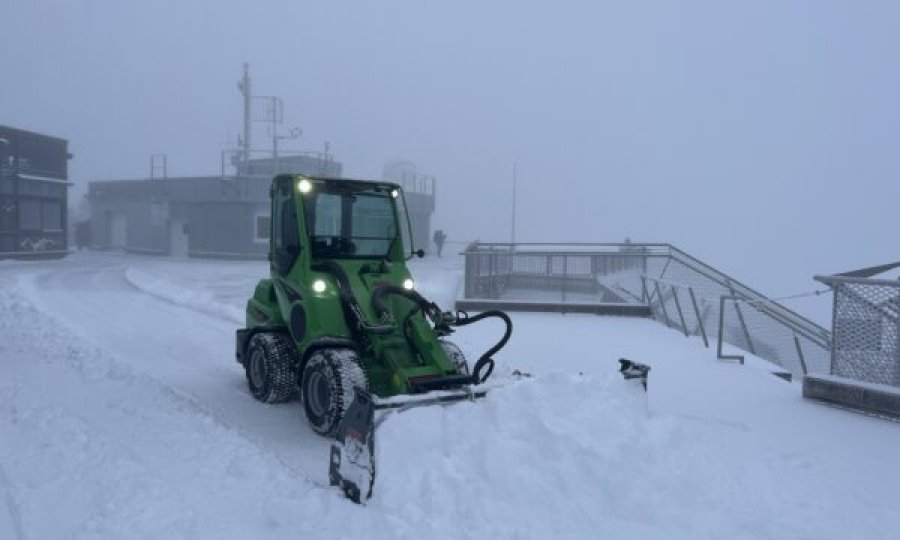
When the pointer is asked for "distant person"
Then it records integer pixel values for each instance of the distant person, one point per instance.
(439, 238)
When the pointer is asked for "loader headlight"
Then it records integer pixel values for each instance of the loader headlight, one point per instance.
(395, 193)
(318, 286)
(304, 186)
(408, 284)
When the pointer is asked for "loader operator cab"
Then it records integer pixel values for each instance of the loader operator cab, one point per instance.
(344, 219)
(348, 222)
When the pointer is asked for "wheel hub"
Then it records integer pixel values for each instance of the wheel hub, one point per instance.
(257, 369)
(318, 394)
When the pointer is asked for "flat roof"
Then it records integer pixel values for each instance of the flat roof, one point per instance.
(31, 133)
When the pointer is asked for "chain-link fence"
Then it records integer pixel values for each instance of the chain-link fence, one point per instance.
(681, 292)
(866, 328)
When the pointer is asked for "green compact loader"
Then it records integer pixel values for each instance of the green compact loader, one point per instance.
(340, 325)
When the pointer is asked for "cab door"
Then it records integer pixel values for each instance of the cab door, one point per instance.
(285, 246)
(285, 250)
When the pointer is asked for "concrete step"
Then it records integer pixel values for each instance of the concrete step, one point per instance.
(862, 396)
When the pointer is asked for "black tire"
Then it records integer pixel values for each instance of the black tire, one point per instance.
(270, 368)
(327, 387)
(456, 356)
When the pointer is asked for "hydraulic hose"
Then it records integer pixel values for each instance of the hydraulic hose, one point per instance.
(462, 319)
(429, 308)
(484, 367)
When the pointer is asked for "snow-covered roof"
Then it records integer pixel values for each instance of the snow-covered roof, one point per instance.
(44, 179)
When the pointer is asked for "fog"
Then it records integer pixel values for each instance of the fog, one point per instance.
(758, 136)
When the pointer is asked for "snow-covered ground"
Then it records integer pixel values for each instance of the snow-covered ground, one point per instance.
(124, 415)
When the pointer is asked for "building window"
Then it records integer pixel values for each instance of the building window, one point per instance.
(52, 216)
(29, 215)
(263, 225)
(7, 214)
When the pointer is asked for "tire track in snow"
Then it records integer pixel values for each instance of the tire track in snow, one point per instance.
(112, 280)
(12, 507)
(178, 295)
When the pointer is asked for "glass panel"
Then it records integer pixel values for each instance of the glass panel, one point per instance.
(262, 227)
(290, 224)
(327, 215)
(351, 223)
(29, 215)
(278, 240)
(52, 216)
(7, 214)
(373, 224)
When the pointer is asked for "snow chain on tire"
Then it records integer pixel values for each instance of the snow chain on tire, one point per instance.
(270, 368)
(327, 389)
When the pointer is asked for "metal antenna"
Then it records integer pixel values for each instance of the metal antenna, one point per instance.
(515, 171)
(159, 164)
(244, 87)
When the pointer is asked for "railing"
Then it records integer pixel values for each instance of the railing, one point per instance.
(866, 328)
(680, 290)
(755, 325)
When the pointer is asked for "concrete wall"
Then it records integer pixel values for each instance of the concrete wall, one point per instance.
(223, 229)
(218, 214)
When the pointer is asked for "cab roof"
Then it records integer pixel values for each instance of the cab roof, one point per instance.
(358, 183)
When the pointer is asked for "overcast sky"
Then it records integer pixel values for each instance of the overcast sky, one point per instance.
(761, 136)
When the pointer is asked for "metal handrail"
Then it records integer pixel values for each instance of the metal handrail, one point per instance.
(829, 280)
(764, 303)
(782, 314)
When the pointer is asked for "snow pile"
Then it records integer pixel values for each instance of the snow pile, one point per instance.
(197, 299)
(522, 463)
(567, 456)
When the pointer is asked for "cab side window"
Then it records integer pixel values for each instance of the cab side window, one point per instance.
(285, 228)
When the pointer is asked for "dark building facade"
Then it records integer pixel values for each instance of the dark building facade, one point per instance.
(33, 194)
(211, 216)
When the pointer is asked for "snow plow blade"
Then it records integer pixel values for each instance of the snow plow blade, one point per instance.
(352, 463)
(634, 370)
(438, 397)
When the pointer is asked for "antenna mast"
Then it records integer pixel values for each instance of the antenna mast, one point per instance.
(515, 171)
(244, 87)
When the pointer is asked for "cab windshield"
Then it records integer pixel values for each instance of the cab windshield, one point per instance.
(351, 222)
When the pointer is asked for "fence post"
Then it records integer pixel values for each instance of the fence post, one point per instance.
(565, 276)
(719, 354)
(680, 313)
(835, 298)
(800, 354)
(662, 303)
(477, 281)
(492, 260)
(699, 317)
(896, 324)
(645, 296)
(740, 315)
